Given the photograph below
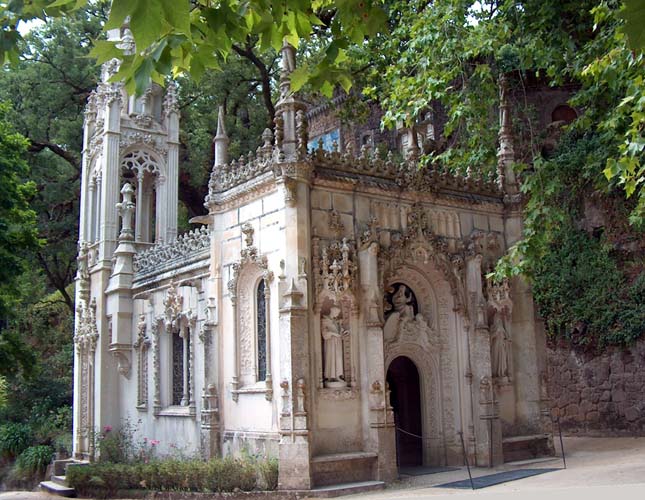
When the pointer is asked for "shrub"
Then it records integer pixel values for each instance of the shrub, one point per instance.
(269, 473)
(217, 475)
(116, 446)
(35, 459)
(14, 439)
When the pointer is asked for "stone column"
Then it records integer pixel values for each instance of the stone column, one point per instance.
(168, 210)
(485, 415)
(111, 177)
(378, 417)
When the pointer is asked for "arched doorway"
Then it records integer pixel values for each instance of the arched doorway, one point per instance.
(403, 379)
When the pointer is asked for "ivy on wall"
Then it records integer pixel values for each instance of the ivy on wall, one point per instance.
(583, 296)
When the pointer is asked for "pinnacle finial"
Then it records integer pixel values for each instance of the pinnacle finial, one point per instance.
(288, 53)
(220, 140)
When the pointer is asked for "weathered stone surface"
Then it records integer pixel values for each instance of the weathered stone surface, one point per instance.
(598, 395)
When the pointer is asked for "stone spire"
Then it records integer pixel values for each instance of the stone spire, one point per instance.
(221, 141)
(506, 152)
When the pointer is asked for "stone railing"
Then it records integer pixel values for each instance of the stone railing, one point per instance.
(406, 173)
(180, 250)
(239, 171)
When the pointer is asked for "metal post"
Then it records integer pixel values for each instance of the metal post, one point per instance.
(463, 447)
(564, 460)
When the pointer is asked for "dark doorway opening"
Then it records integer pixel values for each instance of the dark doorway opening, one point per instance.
(403, 378)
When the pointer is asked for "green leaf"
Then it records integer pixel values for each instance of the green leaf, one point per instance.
(177, 14)
(146, 22)
(299, 77)
(118, 12)
(633, 14)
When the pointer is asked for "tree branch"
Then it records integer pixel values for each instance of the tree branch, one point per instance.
(69, 157)
(265, 77)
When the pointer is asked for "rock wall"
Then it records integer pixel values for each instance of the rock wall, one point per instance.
(598, 395)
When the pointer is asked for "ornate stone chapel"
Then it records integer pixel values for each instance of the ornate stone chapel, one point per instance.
(330, 310)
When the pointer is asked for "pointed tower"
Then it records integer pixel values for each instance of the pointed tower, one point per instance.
(220, 141)
(131, 147)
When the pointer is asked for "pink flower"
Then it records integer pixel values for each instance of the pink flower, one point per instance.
(107, 428)
(154, 442)
(145, 440)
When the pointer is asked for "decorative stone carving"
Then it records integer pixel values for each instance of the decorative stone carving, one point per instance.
(301, 408)
(406, 174)
(173, 304)
(210, 407)
(284, 385)
(337, 268)
(86, 335)
(191, 244)
(82, 271)
(126, 210)
(302, 134)
(142, 344)
(335, 224)
(338, 394)
(171, 99)
(371, 233)
(418, 245)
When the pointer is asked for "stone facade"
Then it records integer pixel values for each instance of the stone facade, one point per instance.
(275, 327)
(598, 394)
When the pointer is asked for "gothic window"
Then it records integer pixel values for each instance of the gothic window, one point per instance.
(180, 373)
(140, 169)
(261, 328)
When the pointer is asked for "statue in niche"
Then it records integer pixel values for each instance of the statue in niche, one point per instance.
(402, 303)
(332, 334)
(403, 320)
(500, 341)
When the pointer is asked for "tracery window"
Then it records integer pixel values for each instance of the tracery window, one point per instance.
(139, 168)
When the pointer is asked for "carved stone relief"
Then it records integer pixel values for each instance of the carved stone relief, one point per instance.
(500, 310)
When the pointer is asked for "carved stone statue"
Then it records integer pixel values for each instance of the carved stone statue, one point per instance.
(499, 348)
(402, 303)
(332, 334)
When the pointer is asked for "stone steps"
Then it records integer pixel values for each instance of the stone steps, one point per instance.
(57, 485)
(343, 468)
(528, 447)
(57, 489)
(336, 490)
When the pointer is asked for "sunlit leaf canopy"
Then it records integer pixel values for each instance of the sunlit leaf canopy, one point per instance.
(190, 36)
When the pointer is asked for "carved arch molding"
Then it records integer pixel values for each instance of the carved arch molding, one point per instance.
(247, 273)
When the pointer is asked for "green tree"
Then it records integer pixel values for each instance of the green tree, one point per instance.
(183, 36)
(18, 232)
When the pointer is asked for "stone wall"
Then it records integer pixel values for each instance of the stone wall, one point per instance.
(598, 394)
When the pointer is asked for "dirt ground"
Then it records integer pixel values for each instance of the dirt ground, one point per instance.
(607, 468)
(603, 468)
